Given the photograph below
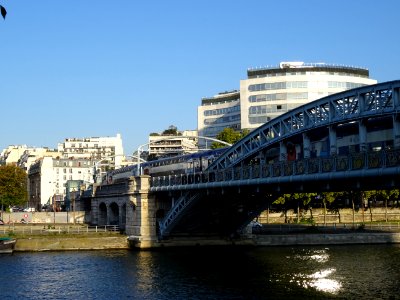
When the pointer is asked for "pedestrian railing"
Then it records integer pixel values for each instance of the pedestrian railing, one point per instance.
(328, 227)
(57, 229)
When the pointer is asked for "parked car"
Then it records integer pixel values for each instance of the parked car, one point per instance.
(16, 209)
(29, 209)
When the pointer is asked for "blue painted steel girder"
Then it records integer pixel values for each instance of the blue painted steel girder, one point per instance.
(352, 105)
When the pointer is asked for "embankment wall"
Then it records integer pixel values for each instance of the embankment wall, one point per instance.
(55, 243)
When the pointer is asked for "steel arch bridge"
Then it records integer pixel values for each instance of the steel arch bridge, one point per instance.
(279, 157)
(353, 105)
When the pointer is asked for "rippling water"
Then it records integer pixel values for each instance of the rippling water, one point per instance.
(320, 272)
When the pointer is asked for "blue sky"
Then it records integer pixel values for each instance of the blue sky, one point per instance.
(83, 68)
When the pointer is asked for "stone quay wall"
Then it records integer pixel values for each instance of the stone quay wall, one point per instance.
(345, 215)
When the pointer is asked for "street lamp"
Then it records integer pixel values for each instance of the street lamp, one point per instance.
(73, 204)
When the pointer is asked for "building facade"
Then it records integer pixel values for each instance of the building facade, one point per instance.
(272, 91)
(48, 179)
(172, 145)
(107, 149)
(12, 154)
(217, 113)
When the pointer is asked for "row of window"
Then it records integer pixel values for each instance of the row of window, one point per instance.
(278, 96)
(259, 119)
(220, 120)
(71, 163)
(70, 171)
(221, 111)
(344, 85)
(278, 85)
(264, 109)
(308, 73)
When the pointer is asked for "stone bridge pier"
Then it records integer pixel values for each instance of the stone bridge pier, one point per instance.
(129, 205)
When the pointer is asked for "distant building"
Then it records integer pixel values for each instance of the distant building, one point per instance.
(269, 92)
(217, 113)
(12, 154)
(107, 149)
(79, 159)
(48, 179)
(30, 155)
(172, 145)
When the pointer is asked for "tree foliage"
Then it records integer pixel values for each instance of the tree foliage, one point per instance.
(230, 136)
(13, 189)
(3, 12)
(172, 130)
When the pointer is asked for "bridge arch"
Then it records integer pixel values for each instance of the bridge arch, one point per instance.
(102, 214)
(113, 218)
(363, 112)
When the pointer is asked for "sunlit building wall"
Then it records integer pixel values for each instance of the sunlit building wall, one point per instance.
(270, 92)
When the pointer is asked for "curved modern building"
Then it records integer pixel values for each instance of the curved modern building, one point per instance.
(272, 91)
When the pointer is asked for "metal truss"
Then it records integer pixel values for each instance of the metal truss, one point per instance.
(176, 212)
(356, 165)
(352, 105)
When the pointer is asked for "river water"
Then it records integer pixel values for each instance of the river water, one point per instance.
(317, 272)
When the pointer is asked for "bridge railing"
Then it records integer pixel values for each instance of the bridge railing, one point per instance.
(351, 162)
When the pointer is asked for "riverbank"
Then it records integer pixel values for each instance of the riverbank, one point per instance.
(70, 242)
(355, 237)
(327, 239)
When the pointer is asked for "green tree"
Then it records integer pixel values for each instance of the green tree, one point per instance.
(172, 130)
(295, 200)
(230, 136)
(13, 190)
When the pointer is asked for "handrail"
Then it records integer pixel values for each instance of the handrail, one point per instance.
(352, 162)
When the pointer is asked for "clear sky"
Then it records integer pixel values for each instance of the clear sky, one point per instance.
(84, 68)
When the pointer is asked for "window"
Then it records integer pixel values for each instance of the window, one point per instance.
(277, 85)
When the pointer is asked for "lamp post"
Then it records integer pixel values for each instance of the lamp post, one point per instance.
(73, 204)
(54, 209)
(2, 208)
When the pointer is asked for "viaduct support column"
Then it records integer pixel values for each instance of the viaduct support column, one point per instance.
(362, 132)
(141, 214)
(396, 131)
(282, 151)
(332, 141)
(306, 146)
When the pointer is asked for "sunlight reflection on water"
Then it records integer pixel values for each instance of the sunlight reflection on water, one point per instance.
(322, 280)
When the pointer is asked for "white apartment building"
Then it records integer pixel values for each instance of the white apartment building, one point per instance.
(30, 156)
(165, 146)
(271, 91)
(107, 149)
(12, 154)
(48, 178)
(217, 113)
